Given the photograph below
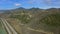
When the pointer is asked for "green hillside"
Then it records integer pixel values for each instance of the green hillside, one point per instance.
(38, 19)
(52, 20)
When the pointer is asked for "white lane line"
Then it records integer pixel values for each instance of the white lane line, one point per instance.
(11, 28)
(9, 32)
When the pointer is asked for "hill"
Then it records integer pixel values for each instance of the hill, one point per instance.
(41, 19)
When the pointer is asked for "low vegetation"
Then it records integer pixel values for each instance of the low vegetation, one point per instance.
(52, 20)
(45, 19)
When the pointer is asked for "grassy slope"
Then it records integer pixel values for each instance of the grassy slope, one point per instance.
(52, 20)
(25, 18)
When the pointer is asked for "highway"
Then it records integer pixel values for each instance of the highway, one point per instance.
(9, 28)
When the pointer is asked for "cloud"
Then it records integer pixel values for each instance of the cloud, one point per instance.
(34, 1)
(48, 1)
(17, 4)
(31, 1)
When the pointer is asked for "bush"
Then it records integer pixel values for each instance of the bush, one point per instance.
(52, 20)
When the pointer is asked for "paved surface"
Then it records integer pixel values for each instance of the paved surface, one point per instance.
(8, 27)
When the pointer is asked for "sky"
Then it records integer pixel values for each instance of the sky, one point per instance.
(44, 4)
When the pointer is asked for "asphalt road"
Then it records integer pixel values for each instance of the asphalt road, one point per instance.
(8, 27)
